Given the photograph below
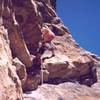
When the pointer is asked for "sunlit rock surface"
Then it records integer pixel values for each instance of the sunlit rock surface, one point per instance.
(65, 70)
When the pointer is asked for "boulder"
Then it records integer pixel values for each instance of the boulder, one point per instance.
(31, 83)
(21, 70)
(61, 67)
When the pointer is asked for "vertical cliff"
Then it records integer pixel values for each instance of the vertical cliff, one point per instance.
(26, 60)
(10, 85)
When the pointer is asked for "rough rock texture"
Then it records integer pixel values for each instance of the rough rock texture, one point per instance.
(10, 86)
(21, 70)
(54, 62)
(65, 91)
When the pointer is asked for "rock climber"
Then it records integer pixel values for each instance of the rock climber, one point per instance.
(47, 36)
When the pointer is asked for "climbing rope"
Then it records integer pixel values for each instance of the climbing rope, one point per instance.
(42, 66)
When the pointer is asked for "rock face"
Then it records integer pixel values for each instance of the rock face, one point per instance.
(64, 91)
(67, 90)
(57, 61)
(10, 86)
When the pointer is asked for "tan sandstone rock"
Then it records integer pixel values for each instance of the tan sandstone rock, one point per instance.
(61, 61)
(10, 86)
(21, 70)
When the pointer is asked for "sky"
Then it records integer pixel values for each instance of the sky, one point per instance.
(82, 17)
